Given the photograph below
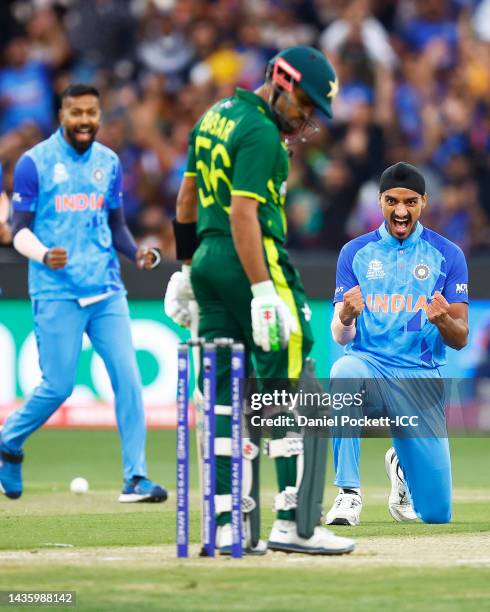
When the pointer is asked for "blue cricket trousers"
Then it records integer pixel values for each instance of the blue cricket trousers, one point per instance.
(425, 459)
(59, 326)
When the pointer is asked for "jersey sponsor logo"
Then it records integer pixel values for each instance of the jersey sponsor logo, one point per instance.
(421, 271)
(16, 197)
(60, 173)
(395, 302)
(76, 202)
(215, 124)
(461, 288)
(375, 269)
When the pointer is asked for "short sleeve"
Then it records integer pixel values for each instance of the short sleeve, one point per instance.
(26, 185)
(456, 285)
(190, 169)
(345, 278)
(254, 160)
(116, 190)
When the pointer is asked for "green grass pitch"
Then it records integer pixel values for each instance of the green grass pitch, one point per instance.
(122, 557)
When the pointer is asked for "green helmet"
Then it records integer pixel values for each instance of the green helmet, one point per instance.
(308, 69)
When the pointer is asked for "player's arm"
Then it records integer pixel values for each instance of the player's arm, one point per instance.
(5, 233)
(122, 239)
(180, 304)
(272, 321)
(124, 243)
(348, 299)
(26, 192)
(255, 155)
(185, 224)
(450, 319)
(343, 325)
(247, 237)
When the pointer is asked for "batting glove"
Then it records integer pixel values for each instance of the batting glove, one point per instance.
(180, 303)
(272, 321)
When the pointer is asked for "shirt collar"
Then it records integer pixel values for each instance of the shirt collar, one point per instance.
(392, 241)
(69, 150)
(255, 100)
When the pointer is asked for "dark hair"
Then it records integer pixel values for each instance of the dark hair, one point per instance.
(80, 89)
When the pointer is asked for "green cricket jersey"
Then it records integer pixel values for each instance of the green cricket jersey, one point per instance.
(236, 149)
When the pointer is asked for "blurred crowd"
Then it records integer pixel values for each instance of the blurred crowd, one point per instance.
(414, 85)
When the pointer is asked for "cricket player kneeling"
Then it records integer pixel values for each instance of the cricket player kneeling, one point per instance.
(401, 298)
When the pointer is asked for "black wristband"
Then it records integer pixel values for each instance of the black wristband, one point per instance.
(186, 241)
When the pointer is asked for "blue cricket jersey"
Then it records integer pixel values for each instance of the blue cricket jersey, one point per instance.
(71, 194)
(397, 279)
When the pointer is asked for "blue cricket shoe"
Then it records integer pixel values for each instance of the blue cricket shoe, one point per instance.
(10, 473)
(141, 489)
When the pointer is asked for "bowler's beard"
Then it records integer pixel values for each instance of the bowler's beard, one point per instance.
(80, 145)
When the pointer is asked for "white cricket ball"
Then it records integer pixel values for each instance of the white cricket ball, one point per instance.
(79, 485)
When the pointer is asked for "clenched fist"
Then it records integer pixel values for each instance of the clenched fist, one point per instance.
(56, 258)
(352, 305)
(438, 309)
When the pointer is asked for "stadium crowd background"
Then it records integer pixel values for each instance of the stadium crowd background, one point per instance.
(414, 85)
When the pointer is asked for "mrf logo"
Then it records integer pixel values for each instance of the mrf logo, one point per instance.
(395, 302)
(77, 202)
(461, 288)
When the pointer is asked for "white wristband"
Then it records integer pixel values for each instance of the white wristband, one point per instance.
(29, 245)
(343, 334)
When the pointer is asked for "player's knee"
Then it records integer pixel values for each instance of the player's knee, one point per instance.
(349, 366)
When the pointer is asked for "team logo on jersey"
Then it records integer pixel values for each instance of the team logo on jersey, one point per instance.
(375, 269)
(60, 173)
(98, 174)
(421, 271)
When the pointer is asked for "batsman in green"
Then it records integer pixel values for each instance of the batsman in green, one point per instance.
(230, 232)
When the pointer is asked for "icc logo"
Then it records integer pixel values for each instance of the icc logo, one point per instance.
(421, 271)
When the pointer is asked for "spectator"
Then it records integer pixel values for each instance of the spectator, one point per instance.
(414, 86)
(25, 89)
(358, 25)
